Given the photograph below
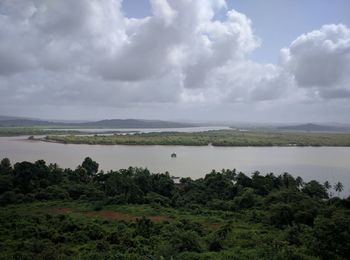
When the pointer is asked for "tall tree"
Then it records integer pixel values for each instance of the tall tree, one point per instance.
(90, 166)
(315, 189)
(328, 186)
(5, 166)
(338, 187)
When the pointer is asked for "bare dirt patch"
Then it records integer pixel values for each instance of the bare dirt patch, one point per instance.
(160, 218)
(112, 215)
(62, 210)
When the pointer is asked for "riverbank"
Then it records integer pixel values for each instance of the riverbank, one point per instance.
(214, 138)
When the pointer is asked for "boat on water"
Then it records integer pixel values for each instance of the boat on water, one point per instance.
(173, 155)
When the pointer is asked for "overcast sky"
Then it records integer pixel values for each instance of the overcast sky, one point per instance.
(199, 60)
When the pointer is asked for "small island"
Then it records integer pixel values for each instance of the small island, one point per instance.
(214, 138)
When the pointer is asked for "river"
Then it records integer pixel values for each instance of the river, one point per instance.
(320, 163)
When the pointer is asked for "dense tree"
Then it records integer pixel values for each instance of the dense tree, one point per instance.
(332, 236)
(5, 183)
(162, 184)
(288, 181)
(245, 199)
(219, 186)
(243, 180)
(281, 214)
(263, 185)
(90, 166)
(315, 189)
(24, 176)
(5, 166)
(221, 216)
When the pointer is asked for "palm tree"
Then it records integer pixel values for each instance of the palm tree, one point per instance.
(338, 187)
(327, 186)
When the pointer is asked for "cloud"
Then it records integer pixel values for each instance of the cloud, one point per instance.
(338, 93)
(321, 60)
(183, 36)
(89, 54)
(218, 44)
(93, 39)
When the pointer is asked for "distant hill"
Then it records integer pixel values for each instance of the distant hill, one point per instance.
(4, 118)
(111, 123)
(135, 123)
(314, 128)
(7, 117)
(23, 122)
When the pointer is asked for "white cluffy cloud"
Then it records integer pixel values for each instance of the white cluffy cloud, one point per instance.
(321, 60)
(88, 53)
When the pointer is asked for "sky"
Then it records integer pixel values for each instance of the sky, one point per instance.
(199, 60)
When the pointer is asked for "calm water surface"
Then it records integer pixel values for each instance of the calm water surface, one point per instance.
(320, 163)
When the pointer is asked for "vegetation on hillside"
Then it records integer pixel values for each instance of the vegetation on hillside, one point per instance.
(18, 131)
(215, 137)
(47, 212)
(110, 123)
(315, 128)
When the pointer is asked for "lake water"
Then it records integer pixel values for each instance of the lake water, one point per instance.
(320, 163)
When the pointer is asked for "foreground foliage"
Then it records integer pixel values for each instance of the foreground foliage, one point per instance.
(53, 213)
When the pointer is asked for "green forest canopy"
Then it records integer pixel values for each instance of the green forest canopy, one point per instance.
(52, 213)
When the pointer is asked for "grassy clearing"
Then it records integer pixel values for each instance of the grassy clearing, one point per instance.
(128, 212)
(211, 219)
(40, 232)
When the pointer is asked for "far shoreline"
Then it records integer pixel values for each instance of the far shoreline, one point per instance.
(93, 140)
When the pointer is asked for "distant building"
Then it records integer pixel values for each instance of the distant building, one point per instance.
(176, 180)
